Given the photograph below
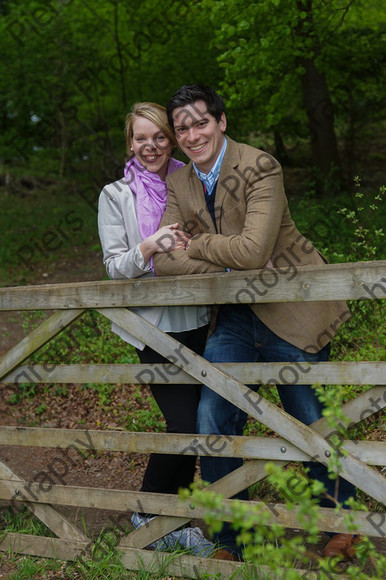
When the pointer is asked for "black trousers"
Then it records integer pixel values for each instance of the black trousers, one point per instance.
(178, 403)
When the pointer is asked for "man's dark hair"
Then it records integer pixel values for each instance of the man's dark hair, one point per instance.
(189, 94)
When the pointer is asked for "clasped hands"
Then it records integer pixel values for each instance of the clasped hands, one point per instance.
(169, 238)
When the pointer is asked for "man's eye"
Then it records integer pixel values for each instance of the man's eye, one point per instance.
(202, 124)
(181, 130)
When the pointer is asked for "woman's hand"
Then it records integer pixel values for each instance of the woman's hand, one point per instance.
(166, 239)
(170, 238)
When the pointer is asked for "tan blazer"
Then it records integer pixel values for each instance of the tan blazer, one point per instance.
(254, 226)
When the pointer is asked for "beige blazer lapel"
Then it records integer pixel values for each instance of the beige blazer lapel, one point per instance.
(229, 180)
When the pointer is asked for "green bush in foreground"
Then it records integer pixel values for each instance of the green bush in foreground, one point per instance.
(269, 548)
(266, 545)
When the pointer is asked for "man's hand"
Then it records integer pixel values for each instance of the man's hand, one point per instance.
(166, 239)
(169, 238)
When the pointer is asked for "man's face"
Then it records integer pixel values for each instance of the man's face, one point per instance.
(199, 135)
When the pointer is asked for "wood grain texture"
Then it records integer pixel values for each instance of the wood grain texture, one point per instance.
(330, 373)
(360, 280)
(171, 505)
(267, 448)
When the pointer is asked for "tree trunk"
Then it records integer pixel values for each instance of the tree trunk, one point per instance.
(321, 121)
(280, 150)
(318, 106)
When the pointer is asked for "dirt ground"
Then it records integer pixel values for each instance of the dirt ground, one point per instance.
(79, 408)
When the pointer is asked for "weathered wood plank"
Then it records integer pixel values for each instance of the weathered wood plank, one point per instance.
(55, 521)
(331, 373)
(42, 546)
(45, 547)
(39, 336)
(303, 437)
(193, 567)
(171, 505)
(360, 280)
(367, 403)
(267, 448)
(183, 566)
(249, 473)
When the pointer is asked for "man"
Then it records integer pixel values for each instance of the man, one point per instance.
(231, 199)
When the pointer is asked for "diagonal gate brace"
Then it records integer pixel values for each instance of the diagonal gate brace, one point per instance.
(303, 437)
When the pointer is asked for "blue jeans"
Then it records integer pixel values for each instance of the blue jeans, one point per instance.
(240, 336)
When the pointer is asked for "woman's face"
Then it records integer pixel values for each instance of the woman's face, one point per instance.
(151, 146)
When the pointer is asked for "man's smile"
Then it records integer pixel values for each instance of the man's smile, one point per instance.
(197, 147)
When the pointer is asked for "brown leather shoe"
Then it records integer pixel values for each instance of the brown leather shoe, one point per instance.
(342, 545)
(222, 554)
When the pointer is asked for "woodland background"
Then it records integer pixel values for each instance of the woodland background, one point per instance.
(305, 78)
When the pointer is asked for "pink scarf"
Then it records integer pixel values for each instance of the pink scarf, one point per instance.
(151, 194)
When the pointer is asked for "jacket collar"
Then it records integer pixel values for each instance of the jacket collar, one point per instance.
(228, 178)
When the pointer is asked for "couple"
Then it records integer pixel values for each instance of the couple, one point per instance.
(225, 210)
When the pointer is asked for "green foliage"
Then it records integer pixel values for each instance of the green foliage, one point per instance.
(265, 543)
(332, 400)
(364, 331)
(104, 560)
(368, 239)
(270, 50)
(29, 568)
(350, 229)
(73, 69)
(145, 419)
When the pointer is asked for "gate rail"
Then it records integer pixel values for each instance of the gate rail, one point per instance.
(294, 441)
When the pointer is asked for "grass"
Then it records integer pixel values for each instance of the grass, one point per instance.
(103, 562)
(38, 226)
(24, 522)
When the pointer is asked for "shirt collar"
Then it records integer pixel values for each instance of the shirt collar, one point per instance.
(210, 179)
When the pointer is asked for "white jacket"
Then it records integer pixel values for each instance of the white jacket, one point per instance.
(120, 239)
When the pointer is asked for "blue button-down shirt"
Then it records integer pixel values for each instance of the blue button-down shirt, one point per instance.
(210, 179)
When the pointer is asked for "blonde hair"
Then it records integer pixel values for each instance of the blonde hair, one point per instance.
(153, 112)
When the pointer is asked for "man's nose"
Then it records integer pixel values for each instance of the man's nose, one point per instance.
(193, 134)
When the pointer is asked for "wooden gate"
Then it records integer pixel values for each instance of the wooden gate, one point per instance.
(294, 441)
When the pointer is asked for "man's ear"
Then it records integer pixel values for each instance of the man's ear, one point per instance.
(222, 123)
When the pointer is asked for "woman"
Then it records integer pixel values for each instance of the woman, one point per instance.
(130, 211)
